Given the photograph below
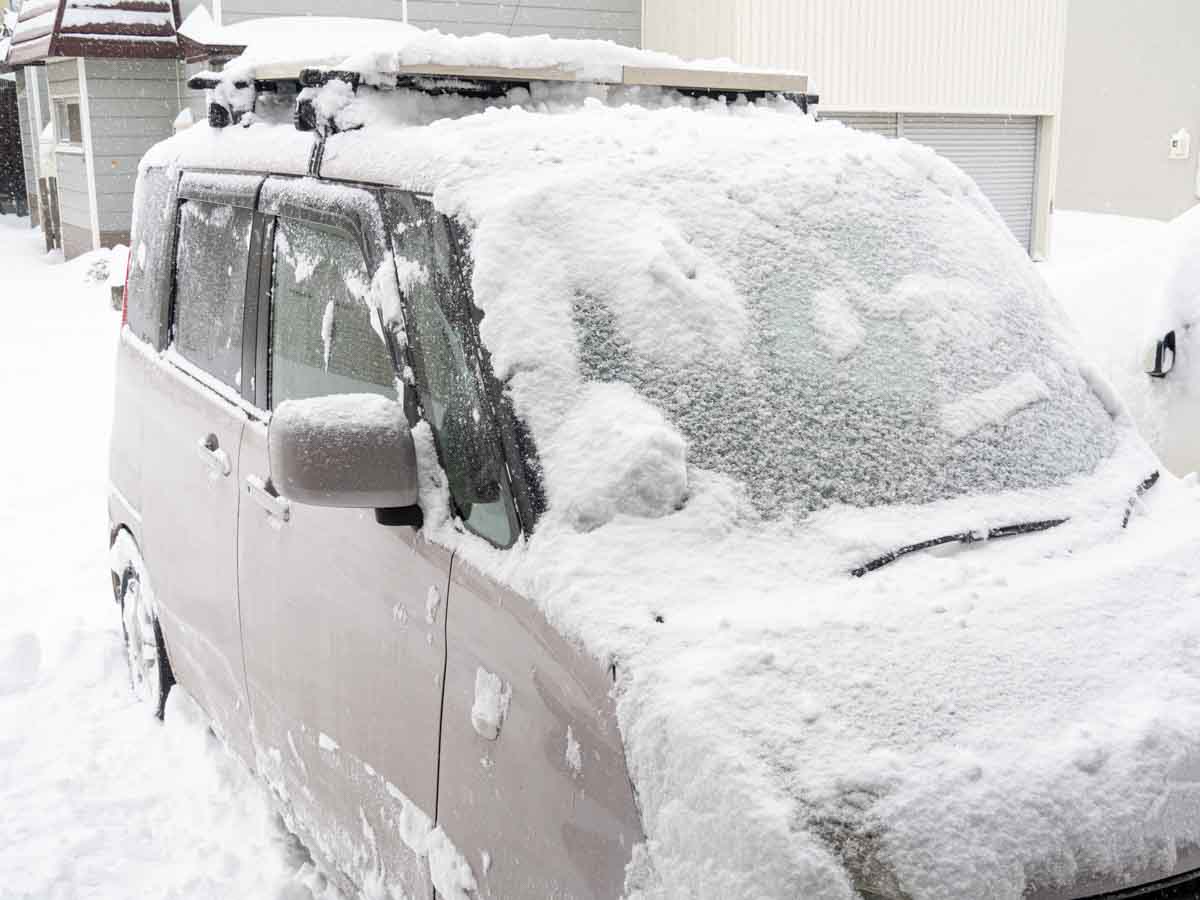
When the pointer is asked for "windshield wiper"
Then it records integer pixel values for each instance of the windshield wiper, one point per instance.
(976, 537)
(962, 537)
(1148, 483)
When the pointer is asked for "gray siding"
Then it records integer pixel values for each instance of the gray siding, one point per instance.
(63, 75)
(616, 20)
(132, 106)
(73, 210)
(73, 191)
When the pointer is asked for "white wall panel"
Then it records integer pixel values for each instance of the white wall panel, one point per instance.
(944, 56)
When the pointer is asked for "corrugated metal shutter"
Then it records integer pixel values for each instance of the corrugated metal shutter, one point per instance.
(999, 152)
(886, 124)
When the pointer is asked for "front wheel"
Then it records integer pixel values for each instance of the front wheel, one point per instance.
(149, 670)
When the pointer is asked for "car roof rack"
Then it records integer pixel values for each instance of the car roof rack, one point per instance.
(493, 82)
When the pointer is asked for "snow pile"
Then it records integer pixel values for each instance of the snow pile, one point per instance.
(637, 466)
(722, 443)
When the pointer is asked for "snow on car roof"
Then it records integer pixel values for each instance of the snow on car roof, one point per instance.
(951, 727)
(377, 47)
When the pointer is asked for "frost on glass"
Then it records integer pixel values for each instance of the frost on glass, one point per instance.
(150, 253)
(210, 285)
(322, 339)
(870, 344)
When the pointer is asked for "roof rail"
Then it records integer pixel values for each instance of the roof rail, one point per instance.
(496, 81)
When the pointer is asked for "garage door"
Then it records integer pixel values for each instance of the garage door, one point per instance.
(999, 152)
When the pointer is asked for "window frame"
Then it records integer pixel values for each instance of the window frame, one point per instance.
(203, 186)
(63, 141)
(266, 302)
(265, 194)
(516, 451)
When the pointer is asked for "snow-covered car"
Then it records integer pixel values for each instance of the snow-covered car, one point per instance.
(1172, 353)
(556, 486)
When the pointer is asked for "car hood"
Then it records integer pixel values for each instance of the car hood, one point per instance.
(981, 724)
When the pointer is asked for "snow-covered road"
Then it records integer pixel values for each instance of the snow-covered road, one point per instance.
(97, 798)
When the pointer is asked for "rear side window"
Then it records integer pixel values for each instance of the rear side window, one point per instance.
(150, 254)
(210, 287)
(323, 338)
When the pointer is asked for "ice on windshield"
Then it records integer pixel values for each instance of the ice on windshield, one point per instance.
(888, 350)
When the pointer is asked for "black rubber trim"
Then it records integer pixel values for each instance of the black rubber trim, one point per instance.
(1185, 886)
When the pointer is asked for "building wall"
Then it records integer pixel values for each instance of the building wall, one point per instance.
(132, 106)
(615, 20)
(940, 56)
(1132, 80)
(74, 207)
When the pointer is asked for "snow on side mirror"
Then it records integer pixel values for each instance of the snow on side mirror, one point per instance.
(348, 450)
(1164, 357)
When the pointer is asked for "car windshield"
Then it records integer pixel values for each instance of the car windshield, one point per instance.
(889, 353)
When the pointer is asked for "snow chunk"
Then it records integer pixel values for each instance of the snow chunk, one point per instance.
(184, 120)
(327, 743)
(616, 454)
(433, 599)
(573, 754)
(994, 405)
(836, 323)
(492, 696)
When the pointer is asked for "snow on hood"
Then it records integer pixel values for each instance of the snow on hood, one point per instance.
(957, 725)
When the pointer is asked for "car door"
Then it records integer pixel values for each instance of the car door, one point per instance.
(343, 617)
(193, 421)
(533, 789)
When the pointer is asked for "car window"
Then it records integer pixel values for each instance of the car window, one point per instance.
(210, 287)
(323, 339)
(150, 254)
(449, 378)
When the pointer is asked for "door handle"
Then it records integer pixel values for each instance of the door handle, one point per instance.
(263, 493)
(210, 452)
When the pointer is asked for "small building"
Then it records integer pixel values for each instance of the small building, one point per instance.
(100, 80)
(1131, 108)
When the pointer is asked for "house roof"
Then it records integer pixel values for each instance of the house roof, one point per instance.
(126, 29)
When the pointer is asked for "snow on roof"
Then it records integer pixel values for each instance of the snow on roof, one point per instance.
(57, 28)
(955, 726)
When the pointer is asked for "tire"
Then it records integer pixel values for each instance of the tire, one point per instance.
(150, 675)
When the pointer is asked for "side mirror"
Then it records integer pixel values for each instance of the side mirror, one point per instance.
(1164, 357)
(347, 450)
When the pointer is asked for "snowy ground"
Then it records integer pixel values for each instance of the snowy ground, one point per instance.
(99, 799)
